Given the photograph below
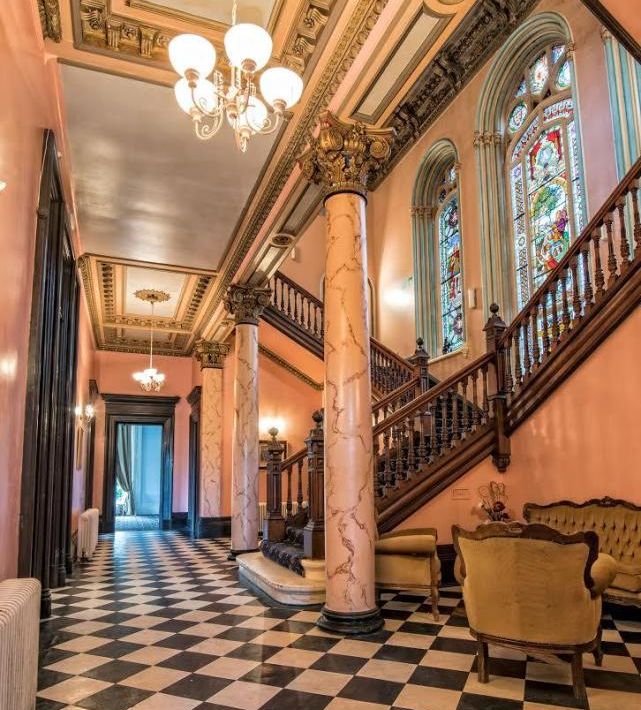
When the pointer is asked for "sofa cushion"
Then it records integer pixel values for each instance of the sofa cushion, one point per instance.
(407, 545)
(627, 582)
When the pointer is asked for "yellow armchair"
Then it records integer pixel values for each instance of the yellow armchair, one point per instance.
(534, 589)
(407, 559)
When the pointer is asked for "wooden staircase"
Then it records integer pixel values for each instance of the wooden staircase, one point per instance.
(427, 434)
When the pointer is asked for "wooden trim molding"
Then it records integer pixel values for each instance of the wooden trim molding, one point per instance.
(134, 409)
(278, 360)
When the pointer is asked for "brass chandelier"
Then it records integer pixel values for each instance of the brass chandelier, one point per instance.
(209, 100)
(149, 379)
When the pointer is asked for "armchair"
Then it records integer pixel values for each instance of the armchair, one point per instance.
(533, 589)
(407, 559)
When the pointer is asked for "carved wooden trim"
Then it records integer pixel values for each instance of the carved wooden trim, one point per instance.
(605, 502)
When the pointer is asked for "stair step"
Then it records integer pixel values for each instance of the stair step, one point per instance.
(285, 554)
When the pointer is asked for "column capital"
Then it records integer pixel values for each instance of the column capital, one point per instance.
(345, 156)
(246, 303)
(210, 353)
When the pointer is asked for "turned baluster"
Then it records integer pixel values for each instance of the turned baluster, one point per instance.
(428, 430)
(403, 456)
(465, 415)
(545, 336)
(588, 293)
(387, 463)
(634, 191)
(599, 279)
(612, 259)
(576, 294)
(554, 293)
(486, 402)
(453, 395)
(411, 456)
(476, 410)
(288, 504)
(297, 298)
(321, 322)
(527, 362)
(509, 380)
(445, 434)
(565, 317)
(299, 494)
(518, 372)
(536, 353)
(624, 246)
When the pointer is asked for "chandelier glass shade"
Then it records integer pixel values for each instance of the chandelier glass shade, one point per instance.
(149, 379)
(202, 93)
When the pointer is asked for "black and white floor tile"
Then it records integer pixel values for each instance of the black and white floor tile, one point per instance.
(157, 621)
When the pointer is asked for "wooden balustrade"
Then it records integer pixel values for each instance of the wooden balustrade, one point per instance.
(297, 304)
(389, 371)
(295, 475)
(433, 423)
(587, 277)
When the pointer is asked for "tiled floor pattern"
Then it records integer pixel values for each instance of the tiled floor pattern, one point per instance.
(137, 522)
(159, 622)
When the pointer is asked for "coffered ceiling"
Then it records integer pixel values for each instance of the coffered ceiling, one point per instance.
(165, 210)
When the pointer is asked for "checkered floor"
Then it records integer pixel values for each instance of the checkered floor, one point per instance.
(160, 622)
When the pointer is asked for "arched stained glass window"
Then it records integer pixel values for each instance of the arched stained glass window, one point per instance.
(543, 168)
(448, 235)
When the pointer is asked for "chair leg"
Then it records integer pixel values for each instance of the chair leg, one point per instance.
(597, 651)
(482, 660)
(434, 593)
(578, 681)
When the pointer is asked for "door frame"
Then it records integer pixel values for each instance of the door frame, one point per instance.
(135, 409)
(193, 513)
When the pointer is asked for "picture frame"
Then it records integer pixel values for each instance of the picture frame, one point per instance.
(263, 445)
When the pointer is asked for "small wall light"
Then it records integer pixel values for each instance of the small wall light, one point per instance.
(400, 296)
(85, 415)
(3, 184)
(267, 423)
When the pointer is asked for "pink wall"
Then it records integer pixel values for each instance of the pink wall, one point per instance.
(626, 12)
(582, 443)
(25, 110)
(389, 220)
(114, 376)
(309, 266)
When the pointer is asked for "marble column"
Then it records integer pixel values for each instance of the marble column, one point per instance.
(246, 304)
(211, 356)
(342, 158)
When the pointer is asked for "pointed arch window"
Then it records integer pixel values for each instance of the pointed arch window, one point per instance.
(448, 237)
(543, 164)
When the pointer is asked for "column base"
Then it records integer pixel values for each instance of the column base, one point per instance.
(234, 553)
(357, 622)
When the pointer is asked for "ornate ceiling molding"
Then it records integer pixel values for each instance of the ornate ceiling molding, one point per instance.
(483, 30)
(281, 362)
(358, 28)
(301, 43)
(49, 11)
(116, 329)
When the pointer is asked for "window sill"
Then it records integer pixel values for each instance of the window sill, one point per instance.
(464, 351)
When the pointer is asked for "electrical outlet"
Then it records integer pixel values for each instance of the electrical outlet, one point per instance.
(461, 494)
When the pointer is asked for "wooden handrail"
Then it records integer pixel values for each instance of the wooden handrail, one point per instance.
(297, 287)
(576, 247)
(400, 361)
(294, 458)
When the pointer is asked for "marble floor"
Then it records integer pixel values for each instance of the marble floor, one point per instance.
(157, 621)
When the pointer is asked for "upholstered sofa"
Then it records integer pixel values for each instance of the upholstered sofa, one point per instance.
(618, 525)
(533, 589)
(407, 559)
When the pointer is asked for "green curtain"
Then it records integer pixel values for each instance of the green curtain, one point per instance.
(123, 465)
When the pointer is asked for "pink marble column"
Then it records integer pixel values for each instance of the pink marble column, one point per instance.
(211, 356)
(342, 159)
(245, 303)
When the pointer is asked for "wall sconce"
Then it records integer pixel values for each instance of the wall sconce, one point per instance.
(3, 184)
(401, 296)
(267, 423)
(85, 416)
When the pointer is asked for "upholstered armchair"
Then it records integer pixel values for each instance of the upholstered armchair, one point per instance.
(407, 559)
(533, 589)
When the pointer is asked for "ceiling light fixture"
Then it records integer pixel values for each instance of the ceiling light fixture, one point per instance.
(150, 380)
(248, 48)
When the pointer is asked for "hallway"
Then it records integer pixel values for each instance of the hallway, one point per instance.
(157, 621)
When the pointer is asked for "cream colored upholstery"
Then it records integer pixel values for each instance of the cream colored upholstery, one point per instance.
(618, 525)
(407, 559)
(534, 589)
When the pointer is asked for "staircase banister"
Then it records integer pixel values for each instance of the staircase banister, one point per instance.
(298, 288)
(389, 399)
(575, 249)
(294, 458)
(433, 393)
(400, 361)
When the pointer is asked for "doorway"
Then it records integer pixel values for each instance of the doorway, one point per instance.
(138, 476)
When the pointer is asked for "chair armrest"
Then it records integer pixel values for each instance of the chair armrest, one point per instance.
(415, 544)
(603, 572)
(409, 532)
(458, 570)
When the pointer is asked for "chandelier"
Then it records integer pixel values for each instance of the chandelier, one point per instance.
(209, 101)
(150, 380)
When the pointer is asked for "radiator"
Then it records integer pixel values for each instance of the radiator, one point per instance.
(19, 628)
(88, 533)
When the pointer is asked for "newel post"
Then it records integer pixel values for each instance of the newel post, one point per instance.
(497, 392)
(420, 362)
(274, 524)
(314, 531)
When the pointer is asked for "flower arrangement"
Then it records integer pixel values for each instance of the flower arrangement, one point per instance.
(494, 501)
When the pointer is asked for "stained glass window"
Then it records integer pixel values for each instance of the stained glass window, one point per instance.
(544, 170)
(450, 270)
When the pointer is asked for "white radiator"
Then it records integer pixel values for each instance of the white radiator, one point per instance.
(88, 533)
(19, 628)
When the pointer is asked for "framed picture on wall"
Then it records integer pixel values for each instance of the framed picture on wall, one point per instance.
(263, 445)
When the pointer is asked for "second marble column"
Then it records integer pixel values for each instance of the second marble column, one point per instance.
(246, 304)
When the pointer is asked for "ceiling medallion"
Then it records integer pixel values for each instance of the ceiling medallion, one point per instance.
(150, 380)
(209, 101)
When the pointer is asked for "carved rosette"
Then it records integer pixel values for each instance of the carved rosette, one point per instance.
(210, 353)
(345, 157)
(246, 303)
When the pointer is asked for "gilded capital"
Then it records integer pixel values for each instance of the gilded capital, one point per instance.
(246, 303)
(344, 157)
(210, 353)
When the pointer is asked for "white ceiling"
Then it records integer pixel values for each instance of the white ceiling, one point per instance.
(136, 279)
(146, 188)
